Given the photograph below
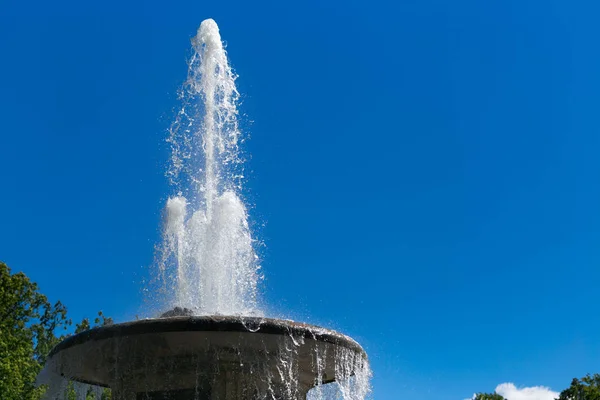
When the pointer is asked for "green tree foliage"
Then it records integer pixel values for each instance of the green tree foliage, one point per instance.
(71, 394)
(100, 320)
(30, 326)
(586, 388)
(488, 396)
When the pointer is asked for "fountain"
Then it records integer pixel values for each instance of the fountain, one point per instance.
(214, 342)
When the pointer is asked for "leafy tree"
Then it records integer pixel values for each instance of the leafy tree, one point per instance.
(488, 396)
(586, 388)
(100, 320)
(30, 326)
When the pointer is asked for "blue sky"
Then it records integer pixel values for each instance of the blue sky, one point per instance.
(424, 174)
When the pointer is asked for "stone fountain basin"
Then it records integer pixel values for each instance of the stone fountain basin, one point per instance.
(201, 353)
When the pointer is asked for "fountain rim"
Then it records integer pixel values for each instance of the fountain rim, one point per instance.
(211, 323)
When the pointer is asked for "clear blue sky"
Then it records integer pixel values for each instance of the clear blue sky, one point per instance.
(425, 174)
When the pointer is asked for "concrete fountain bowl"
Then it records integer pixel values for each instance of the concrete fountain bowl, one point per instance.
(207, 357)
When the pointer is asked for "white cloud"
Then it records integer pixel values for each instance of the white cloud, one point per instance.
(510, 392)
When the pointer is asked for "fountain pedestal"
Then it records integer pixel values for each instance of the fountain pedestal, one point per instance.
(207, 358)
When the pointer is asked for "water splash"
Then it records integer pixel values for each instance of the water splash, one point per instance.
(207, 258)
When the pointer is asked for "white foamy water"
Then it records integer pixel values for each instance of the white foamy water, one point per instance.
(208, 262)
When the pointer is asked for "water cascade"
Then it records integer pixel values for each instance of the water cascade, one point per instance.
(213, 342)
